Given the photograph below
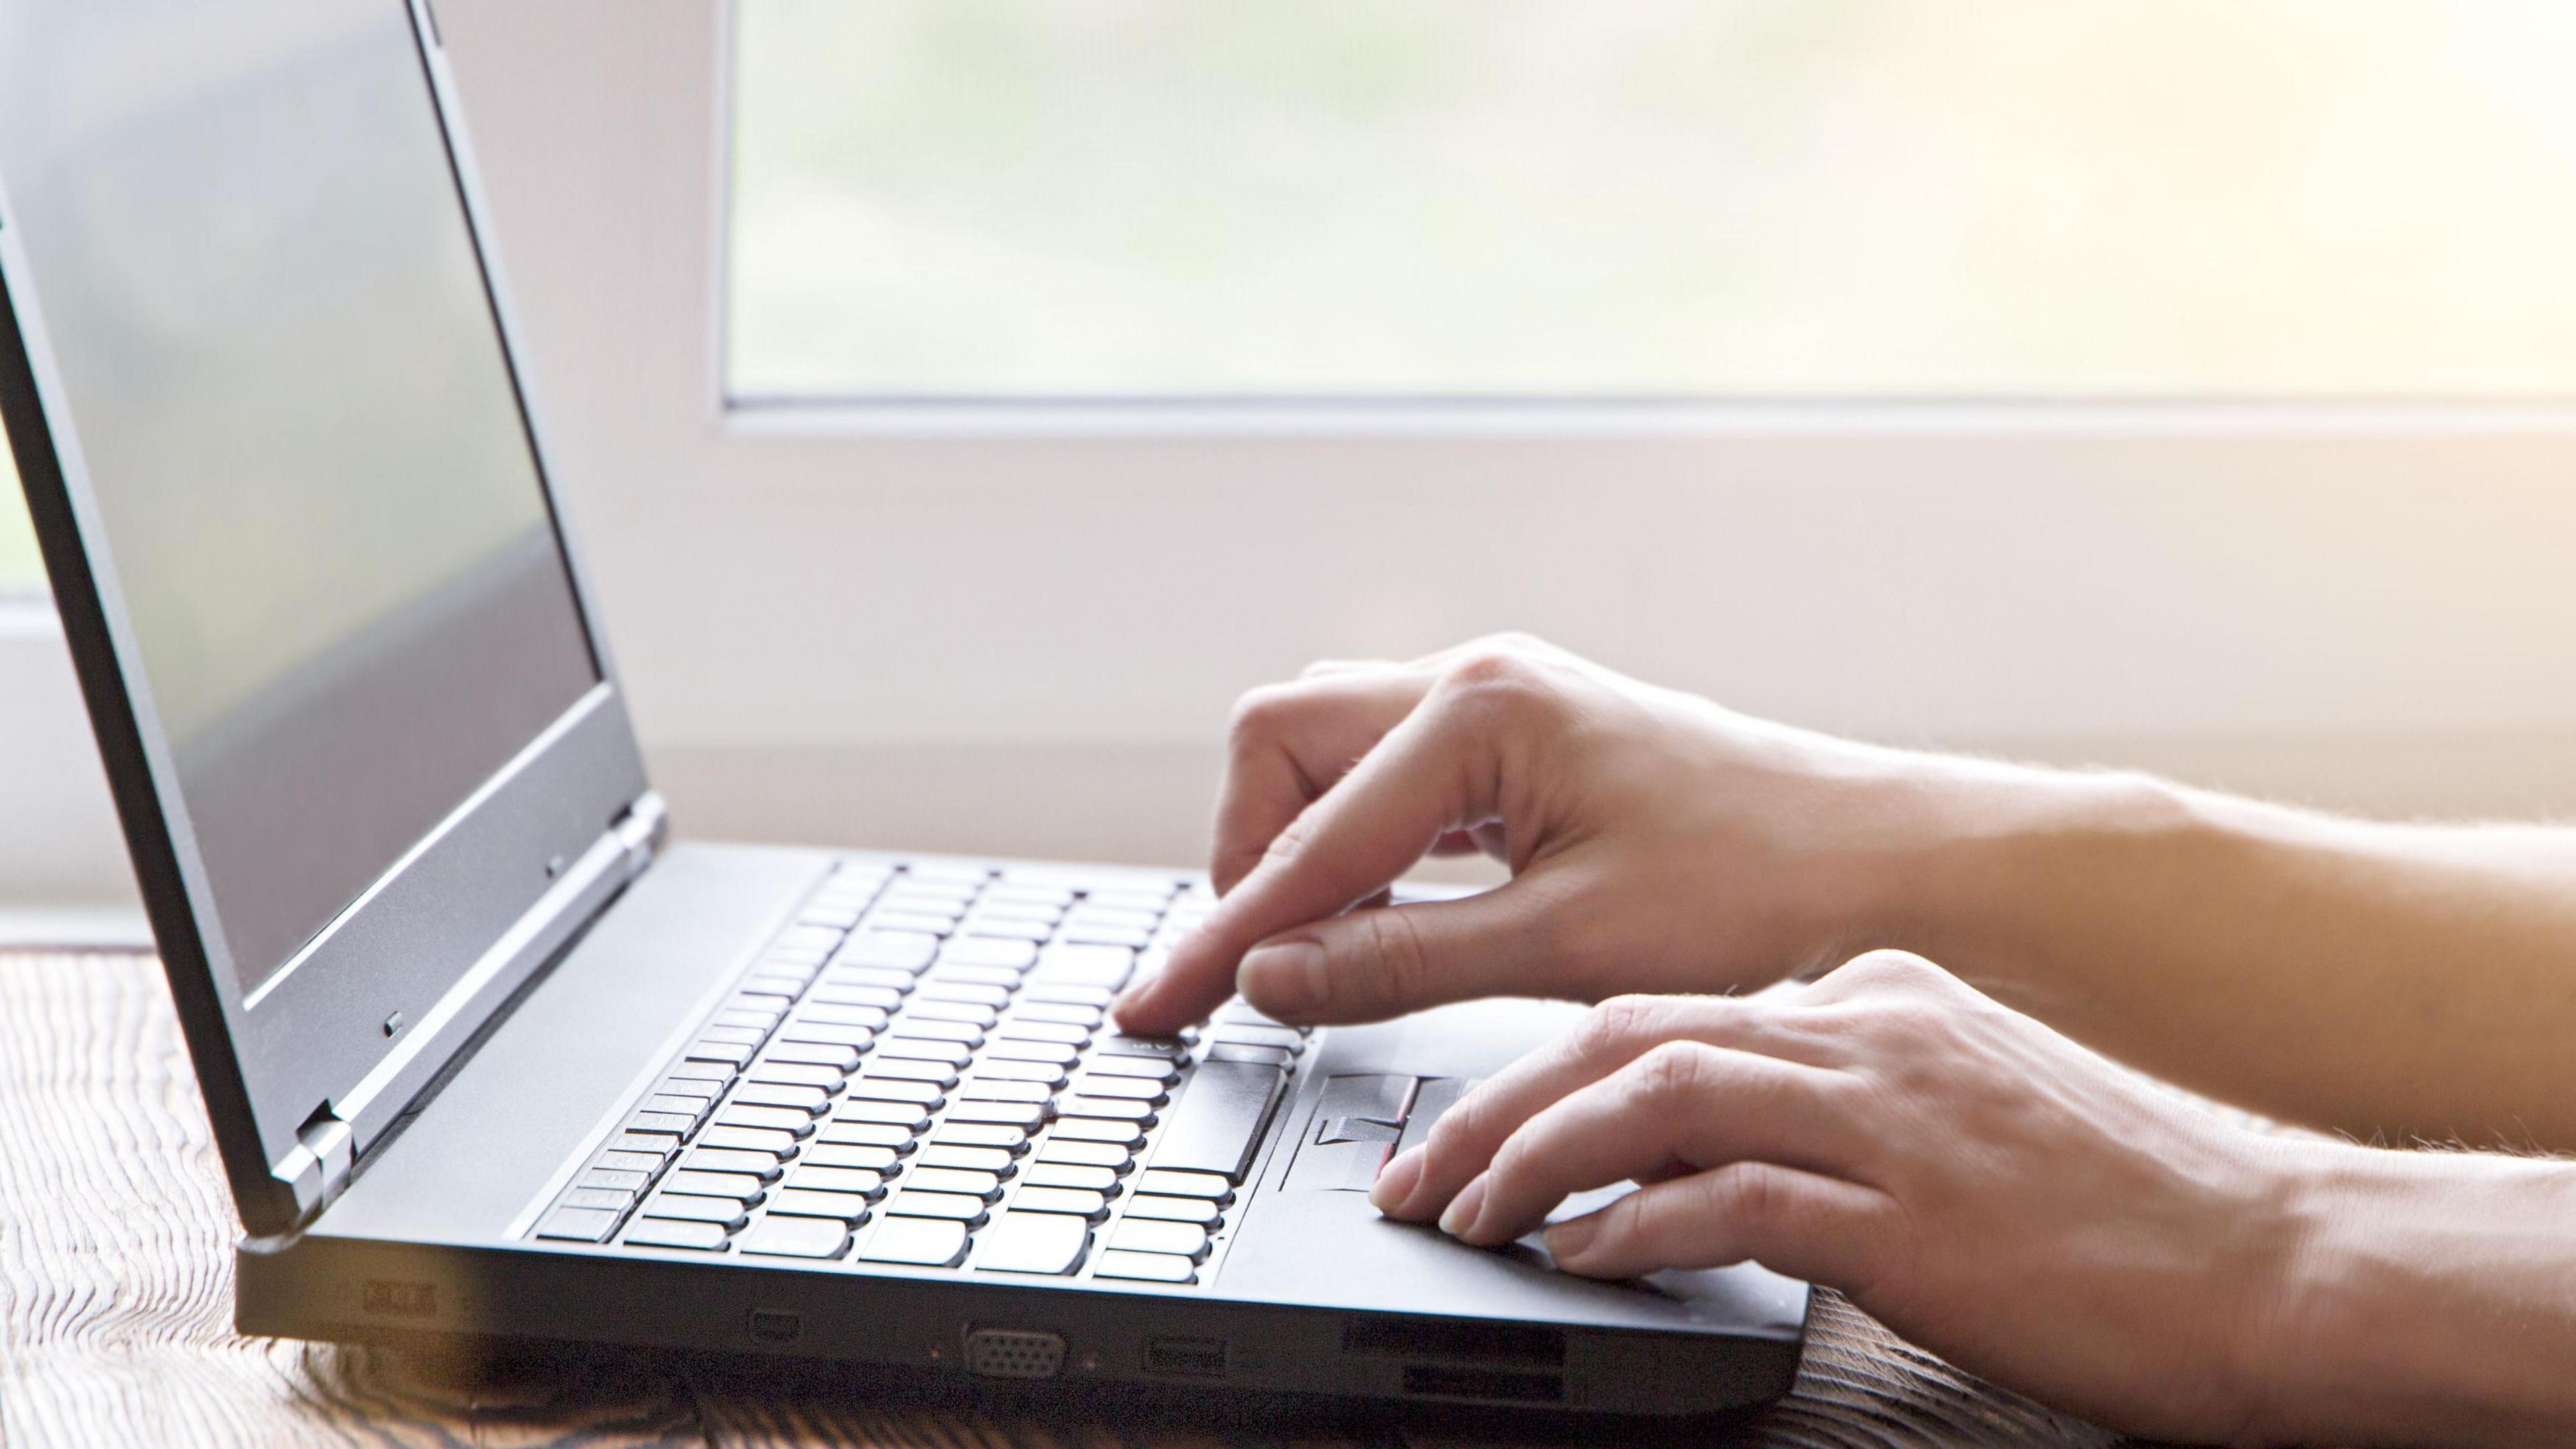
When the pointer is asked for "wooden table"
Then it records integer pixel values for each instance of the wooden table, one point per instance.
(116, 1304)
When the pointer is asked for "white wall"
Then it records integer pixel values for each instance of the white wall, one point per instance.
(921, 629)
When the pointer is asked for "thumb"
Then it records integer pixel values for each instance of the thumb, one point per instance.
(1369, 965)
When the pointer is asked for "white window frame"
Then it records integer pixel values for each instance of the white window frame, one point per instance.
(981, 611)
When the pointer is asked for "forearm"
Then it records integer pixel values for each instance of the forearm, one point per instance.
(2433, 1300)
(2389, 981)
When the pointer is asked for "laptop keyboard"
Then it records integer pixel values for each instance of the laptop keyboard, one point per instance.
(919, 1071)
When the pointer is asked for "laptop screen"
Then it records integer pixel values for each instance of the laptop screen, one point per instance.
(301, 430)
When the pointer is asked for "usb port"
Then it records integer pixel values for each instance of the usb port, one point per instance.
(1193, 1357)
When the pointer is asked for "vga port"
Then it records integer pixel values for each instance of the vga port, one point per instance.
(1014, 1353)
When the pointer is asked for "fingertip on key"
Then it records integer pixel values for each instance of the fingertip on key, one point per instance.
(1396, 1181)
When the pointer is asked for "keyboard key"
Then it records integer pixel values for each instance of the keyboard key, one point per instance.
(969, 1159)
(1134, 1235)
(1046, 895)
(914, 1069)
(991, 1089)
(732, 1053)
(797, 1238)
(1027, 1116)
(1082, 1016)
(658, 1144)
(749, 1139)
(1110, 1084)
(841, 1207)
(1079, 1201)
(836, 994)
(1170, 1183)
(1000, 978)
(735, 1016)
(824, 1064)
(1175, 1210)
(677, 1124)
(615, 1180)
(948, 988)
(808, 1100)
(1092, 913)
(873, 1088)
(1069, 995)
(1150, 1069)
(1104, 966)
(1065, 1150)
(1146, 1267)
(923, 923)
(1006, 929)
(698, 1089)
(912, 1116)
(579, 1224)
(823, 1033)
(813, 1177)
(957, 1207)
(1065, 1174)
(892, 980)
(935, 1009)
(1219, 1120)
(1240, 1012)
(758, 1165)
(1054, 1053)
(1044, 1074)
(718, 1073)
(1149, 899)
(782, 983)
(981, 1134)
(892, 950)
(1090, 935)
(1170, 1049)
(839, 917)
(645, 1163)
(1048, 1243)
(995, 951)
(958, 1031)
(814, 938)
(947, 905)
(1011, 910)
(826, 1014)
(1267, 1036)
(722, 1211)
(740, 1187)
(881, 1160)
(927, 1242)
(983, 1186)
(892, 1136)
(1257, 1055)
(1098, 1129)
(673, 1233)
(794, 1121)
(1021, 1029)
(1117, 1109)
(763, 1001)
(913, 1048)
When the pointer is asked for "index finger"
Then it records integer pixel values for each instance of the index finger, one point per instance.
(1418, 783)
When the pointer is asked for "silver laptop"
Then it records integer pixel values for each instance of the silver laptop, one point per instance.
(486, 1057)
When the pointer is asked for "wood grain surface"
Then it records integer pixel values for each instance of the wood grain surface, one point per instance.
(116, 1307)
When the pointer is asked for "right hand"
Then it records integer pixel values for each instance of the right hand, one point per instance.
(1657, 842)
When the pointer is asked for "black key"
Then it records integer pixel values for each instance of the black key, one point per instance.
(673, 1233)
(1045, 1243)
(579, 1224)
(1218, 1122)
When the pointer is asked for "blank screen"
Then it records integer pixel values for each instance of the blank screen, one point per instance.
(321, 510)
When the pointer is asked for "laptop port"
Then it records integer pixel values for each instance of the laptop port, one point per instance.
(1014, 1353)
(1191, 1357)
(1443, 1381)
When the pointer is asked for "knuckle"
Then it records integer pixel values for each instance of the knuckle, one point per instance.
(1399, 968)
(1259, 715)
(1891, 970)
(1673, 1073)
(1618, 1025)
(1290, 842)
(1746, 1192)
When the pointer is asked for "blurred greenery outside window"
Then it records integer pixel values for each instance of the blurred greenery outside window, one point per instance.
(1642, 199)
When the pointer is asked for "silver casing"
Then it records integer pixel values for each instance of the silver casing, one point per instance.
(396, 1106)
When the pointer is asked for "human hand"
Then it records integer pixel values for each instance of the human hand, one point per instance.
(1984, 1186)
(1657, 842)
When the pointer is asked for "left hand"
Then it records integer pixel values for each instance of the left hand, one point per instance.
(1979, 1183)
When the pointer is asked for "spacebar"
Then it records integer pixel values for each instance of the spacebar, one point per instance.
(1220, 1117)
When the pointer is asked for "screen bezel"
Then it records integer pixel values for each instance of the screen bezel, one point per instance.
(311, 1030)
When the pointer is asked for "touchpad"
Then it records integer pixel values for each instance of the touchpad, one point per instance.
(1363, 1119)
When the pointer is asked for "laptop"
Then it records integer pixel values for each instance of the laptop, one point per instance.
(487, 1055)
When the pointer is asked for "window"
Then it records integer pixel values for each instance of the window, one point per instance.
(1652, 198)
(21, 574)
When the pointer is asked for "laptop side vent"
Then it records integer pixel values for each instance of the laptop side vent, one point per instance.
(1509, 1386)
(1451, 1340)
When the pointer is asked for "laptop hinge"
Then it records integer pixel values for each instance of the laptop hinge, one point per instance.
(340, 1132)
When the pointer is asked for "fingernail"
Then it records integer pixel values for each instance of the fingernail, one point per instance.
(1395, 1181)
(1569, 1239)
(1286, 977)
(1463, 1208)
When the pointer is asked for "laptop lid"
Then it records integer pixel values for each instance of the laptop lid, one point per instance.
(371, 758)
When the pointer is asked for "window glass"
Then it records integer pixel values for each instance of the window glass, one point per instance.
(1649, 198)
